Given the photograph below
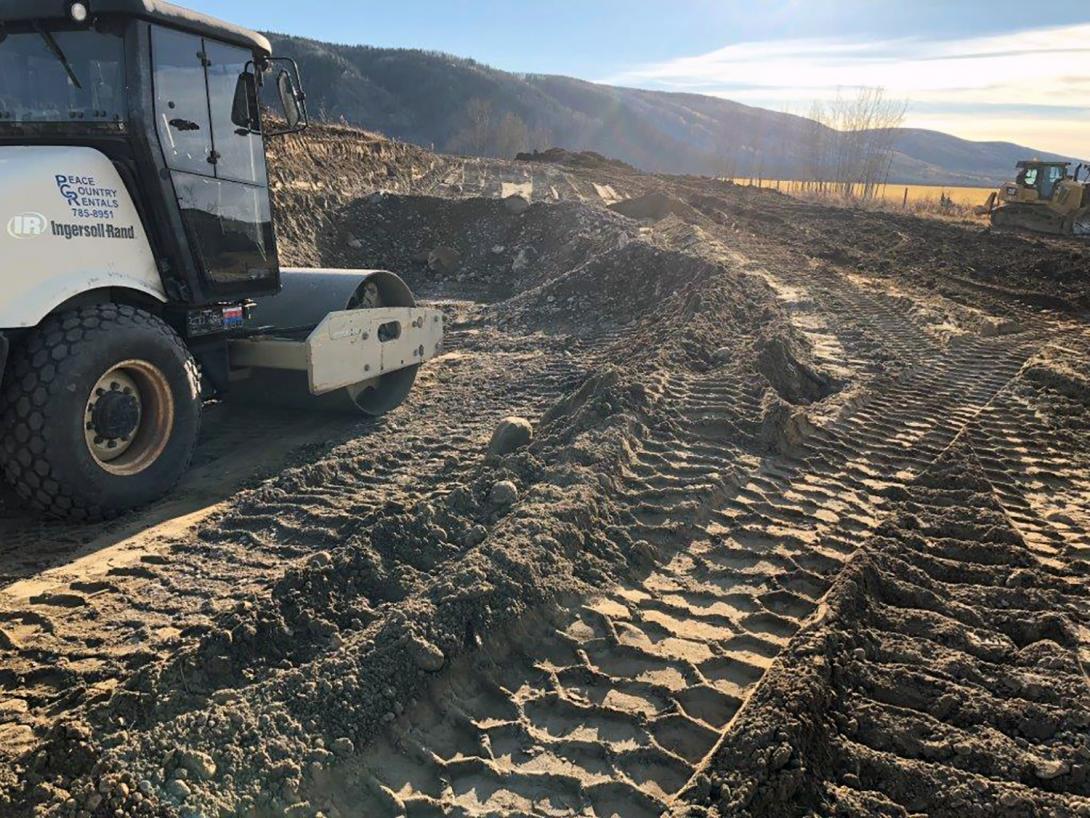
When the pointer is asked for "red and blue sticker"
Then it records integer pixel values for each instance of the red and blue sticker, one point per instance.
(232, 317)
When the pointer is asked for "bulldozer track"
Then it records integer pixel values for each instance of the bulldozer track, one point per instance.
(1041, 484)
(936, 631)
(142, 592)
(610, 706)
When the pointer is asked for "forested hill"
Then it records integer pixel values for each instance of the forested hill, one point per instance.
(459, 105)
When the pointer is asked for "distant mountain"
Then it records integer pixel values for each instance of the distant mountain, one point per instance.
(461, 106)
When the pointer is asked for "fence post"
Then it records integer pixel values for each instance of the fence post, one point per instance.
(904, 204)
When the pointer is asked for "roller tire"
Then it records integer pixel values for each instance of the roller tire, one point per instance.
(46, 456)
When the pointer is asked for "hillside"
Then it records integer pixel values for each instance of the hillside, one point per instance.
(459, 105)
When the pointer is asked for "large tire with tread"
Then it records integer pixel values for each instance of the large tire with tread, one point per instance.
(84, 385)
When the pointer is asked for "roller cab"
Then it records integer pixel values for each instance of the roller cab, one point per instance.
(138, 254)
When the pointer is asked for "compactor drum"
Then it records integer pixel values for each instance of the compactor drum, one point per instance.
(138, 258)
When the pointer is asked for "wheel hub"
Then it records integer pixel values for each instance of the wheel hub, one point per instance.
(116, 415)
(129, 417)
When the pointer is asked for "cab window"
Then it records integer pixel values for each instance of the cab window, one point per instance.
(196, 83)
(1048, 183)
(181, 102)
(62, 77)
(217, 164)
(240, 154)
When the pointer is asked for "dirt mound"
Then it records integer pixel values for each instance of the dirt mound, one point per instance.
(656, 206)
(944, 678)
(623, 286)
(315, 175)
(495, 252)
(588, 160)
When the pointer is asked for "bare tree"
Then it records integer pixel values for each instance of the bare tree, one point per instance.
(476, 134)
(851, 142)
(512, 136)
(868, 128)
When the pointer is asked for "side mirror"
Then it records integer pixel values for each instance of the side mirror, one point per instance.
(289, 98)
(244, 107)
(292, 98)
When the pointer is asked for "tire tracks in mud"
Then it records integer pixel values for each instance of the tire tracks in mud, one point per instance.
(611, 706)
(75, 635)
(1039, 475)
(943, 677)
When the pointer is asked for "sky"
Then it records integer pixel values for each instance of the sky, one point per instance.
(1006, 70)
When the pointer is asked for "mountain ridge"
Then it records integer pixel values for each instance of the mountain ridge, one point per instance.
(459, 105)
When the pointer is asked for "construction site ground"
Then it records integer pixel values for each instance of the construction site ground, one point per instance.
(803, 529)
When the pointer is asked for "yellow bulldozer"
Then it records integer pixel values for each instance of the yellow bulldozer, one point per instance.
(1044, 197)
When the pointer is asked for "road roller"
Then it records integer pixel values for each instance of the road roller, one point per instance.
(138, 254)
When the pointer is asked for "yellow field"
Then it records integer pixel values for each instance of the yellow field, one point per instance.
(895, 194)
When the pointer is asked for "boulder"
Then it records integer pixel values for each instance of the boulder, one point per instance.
(444, 260)
(426, 656)
(199, 765)
(516, 204)
(504, 493)
(511, 433)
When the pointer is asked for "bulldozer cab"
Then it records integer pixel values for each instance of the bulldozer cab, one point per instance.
(1044, 197)
(1041, 178)
(174, 99)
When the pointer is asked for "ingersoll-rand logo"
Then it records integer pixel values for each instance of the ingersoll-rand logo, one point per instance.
(27, 226)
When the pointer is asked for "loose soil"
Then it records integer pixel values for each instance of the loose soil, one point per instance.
(802, 528)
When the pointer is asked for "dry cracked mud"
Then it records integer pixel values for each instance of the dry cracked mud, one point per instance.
(802, 528)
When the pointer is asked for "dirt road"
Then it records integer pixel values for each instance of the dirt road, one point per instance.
(802, 528)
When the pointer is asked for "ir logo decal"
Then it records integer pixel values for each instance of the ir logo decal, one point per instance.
(27, 226)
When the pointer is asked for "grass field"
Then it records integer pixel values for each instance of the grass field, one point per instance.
(917, 195)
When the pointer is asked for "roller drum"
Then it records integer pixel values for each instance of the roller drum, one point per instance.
(305, 298)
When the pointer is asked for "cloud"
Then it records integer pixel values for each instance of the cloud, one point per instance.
(1037, 69)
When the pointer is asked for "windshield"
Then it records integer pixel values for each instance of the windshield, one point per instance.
(62, 76)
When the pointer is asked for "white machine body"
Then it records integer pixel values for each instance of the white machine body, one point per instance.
(67, 226)
(350, 347)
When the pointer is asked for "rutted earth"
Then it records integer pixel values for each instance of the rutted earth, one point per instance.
(802, 528)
